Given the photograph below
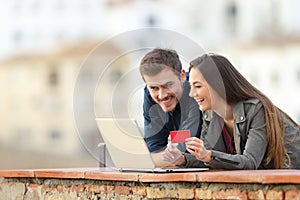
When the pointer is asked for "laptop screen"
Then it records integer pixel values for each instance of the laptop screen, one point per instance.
(125, 143)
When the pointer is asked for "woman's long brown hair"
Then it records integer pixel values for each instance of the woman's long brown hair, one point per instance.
(221, 75)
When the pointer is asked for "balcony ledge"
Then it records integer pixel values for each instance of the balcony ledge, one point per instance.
(211, 176)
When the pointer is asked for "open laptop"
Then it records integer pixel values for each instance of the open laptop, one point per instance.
(127, 148)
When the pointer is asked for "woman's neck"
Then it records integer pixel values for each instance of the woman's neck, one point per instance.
(224, 110)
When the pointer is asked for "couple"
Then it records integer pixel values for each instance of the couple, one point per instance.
(232, 124)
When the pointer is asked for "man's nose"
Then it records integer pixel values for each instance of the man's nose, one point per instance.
(162, 94)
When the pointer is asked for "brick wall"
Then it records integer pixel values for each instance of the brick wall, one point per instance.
(32, 189)
(116, 185)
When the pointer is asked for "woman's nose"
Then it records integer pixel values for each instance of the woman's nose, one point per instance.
(192, 93)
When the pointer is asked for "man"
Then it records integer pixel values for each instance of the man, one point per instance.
(167, 105)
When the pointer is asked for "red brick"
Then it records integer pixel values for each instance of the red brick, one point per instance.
(229, 194)
(283, 176)
(33, 185)
(169, 177)
(60, 173)
(251, 176)
(107, 189)
(16, 173)
(102, 189)
(203, 193)
(60, 188)
(110, 188)
(46, 188)
(220, 176)
(292, 195)
(256, 195)
(109, 174)
(274, 195)
(122, 190)
(77, 188)
(93, 188)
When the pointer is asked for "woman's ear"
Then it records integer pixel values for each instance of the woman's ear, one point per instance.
(182, 76)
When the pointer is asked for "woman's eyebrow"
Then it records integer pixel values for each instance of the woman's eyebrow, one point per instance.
(196, 82)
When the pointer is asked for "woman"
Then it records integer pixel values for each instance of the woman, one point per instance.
(242, 129)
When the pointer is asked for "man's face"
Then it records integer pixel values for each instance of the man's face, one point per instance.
(166, 88)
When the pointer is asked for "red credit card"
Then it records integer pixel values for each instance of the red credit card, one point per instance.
(179, 136)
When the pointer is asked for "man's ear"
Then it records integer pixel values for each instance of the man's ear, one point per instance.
(182, 76)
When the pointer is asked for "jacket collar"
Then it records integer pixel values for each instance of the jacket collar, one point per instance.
(237, 109)
(208, 115)
(215, 129)
(238, 112)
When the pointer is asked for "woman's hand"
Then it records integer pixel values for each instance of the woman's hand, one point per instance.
(173, 155)
(196, 147)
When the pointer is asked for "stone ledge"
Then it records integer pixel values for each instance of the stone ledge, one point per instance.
(211, 176)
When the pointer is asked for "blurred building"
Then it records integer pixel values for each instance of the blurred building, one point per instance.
(44, 44)
(37, 98)
(273, 67)
(31, 26)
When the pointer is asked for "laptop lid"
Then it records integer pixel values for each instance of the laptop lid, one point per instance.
(127, 148)
(125, 143)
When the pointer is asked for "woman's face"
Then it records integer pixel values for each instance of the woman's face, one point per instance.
(200, 90)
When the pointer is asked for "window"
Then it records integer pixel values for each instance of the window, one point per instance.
(298, 74)
(55, 135)
(17, 37)
(53, 77)
(231, 12)
(151, 21)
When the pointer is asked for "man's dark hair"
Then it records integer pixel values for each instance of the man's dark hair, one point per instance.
(158, 59)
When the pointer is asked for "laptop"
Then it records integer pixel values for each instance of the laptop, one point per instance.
(127, 148)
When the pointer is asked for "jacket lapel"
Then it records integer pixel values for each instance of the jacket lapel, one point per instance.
(239, 116)
(214, 139)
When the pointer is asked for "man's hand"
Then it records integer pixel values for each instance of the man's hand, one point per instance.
(173, 155)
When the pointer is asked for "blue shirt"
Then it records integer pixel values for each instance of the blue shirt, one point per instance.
(158, 124)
